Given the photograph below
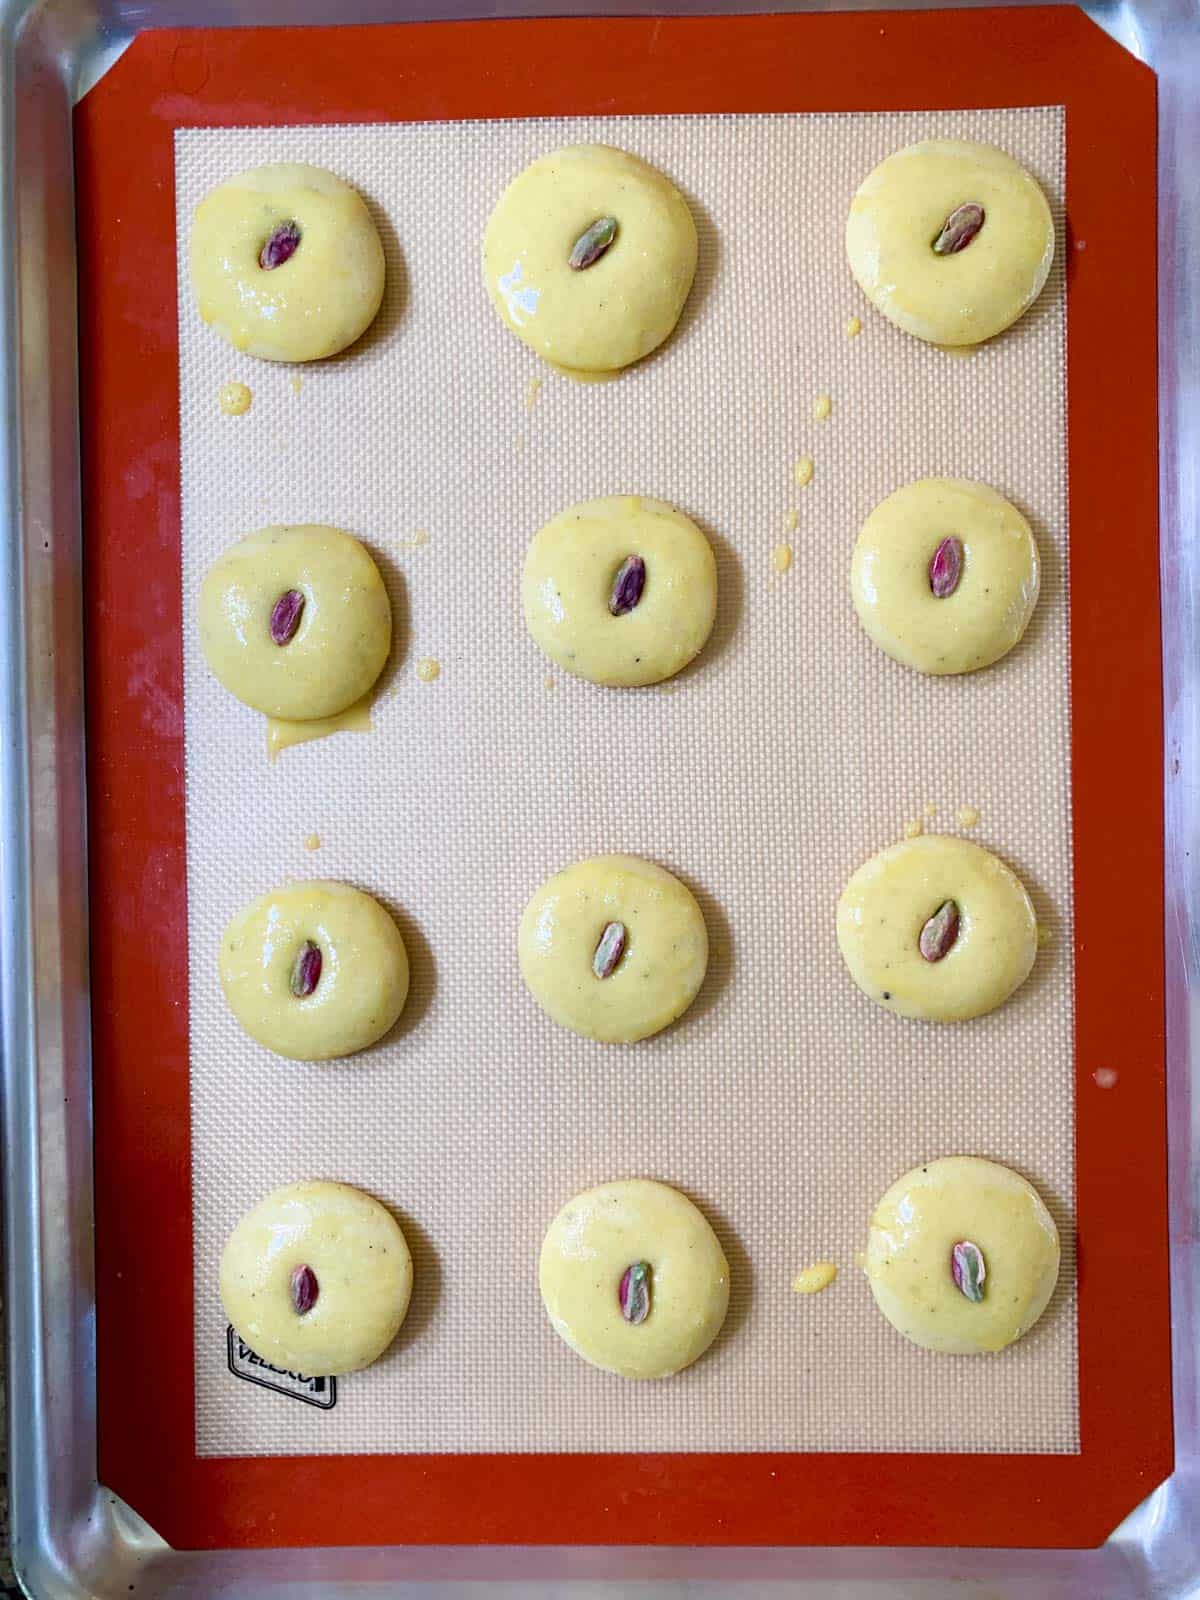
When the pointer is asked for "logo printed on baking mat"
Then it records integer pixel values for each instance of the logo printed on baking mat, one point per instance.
(243, 1363)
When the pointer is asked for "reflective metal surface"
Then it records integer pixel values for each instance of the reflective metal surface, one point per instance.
(71, 1538)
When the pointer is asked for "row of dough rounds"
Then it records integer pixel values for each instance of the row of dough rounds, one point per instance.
(590, 253)
(962, 1257)
(295, 621)
(615, 948)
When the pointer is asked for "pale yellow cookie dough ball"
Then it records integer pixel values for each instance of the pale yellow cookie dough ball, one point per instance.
(286, 263)
(614, 948)
(945, 575)
(296, 622)
(316, 1278)
(951, 240)
(603, 316)
(962, 1256)
(634, 1279)
(621, 590)
(937, 928)
(314, 970)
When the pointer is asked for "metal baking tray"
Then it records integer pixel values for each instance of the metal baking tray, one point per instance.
(71, 1537)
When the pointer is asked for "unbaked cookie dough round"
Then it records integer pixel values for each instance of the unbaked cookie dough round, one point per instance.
(962, 1256)
(316, 1278)
(286, 263)
(945, 575)
(306, 1006)
(621, 590)
(937, 928)
(296, 622)
(634, 1279)
(613, 948)
(601, 316)
(924, 257)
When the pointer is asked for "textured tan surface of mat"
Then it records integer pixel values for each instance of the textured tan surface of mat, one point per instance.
(784, 1102)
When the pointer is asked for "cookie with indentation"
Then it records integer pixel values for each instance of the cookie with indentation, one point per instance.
(614, 948)
(620, 590)
(634, 1279)
(962, 1256)
(937, 928)
(314, 970)
(945, 575)
(286, 263)
(589, 256)
(316, 1278)
(951, 240)
(296, 622)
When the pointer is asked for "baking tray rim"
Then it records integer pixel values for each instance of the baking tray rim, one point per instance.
(72, 1537)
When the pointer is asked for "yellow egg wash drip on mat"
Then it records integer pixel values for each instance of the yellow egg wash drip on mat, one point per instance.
(282, 734)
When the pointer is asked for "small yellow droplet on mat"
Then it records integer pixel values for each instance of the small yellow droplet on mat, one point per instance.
(822, 406)
(931, 808)
(815, 1278)
(297, 384)
(914, 828)
(1045, 937)
(235, 399)
(417, 539)
(781, 557)
(531, 394)
(967, 816)
(853, 328)
(549, 683)
(313, 841)
(793, 521)
(803, 471)
(428, 669)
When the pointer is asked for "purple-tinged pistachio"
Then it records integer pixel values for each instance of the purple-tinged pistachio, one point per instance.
(634, 1292)
(592, 243)
(628, 585)
(305, 1289)
(285, 616)
(959, 228)
(945, 568)
(940, 932)
(968, 1269)
(280, 247)
(306, 970)
(609, 951)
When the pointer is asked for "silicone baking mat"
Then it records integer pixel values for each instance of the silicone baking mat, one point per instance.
(784, 1103)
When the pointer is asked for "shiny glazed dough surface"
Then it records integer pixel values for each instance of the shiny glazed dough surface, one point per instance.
(568, 579)
(592, 1241)
(308, 307)
(345, 632)
(360, 1258)
(623, 306)
(913, 1231)
(364, 970)
(978, 291)
(665, 957)
(990, 608)
(890, 898)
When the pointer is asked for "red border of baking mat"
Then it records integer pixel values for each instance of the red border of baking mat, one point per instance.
(880, 62)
